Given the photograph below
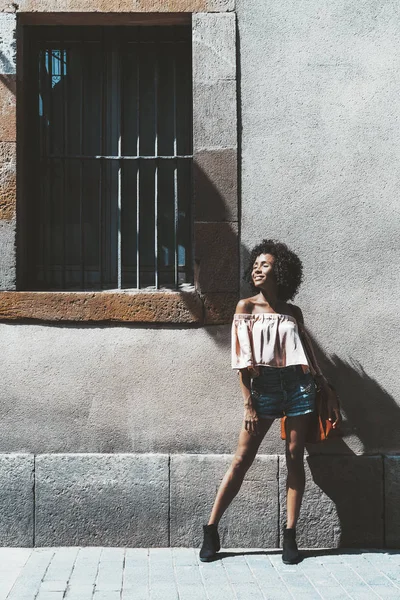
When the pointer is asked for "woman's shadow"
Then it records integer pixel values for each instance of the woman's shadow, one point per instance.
(350, 470)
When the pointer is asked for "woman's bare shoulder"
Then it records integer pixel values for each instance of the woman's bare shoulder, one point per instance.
(245, 306)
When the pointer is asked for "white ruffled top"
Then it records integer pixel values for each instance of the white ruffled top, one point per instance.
(267, 339)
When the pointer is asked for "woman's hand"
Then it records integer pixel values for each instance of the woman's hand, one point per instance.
(250, 420)
(335, 416)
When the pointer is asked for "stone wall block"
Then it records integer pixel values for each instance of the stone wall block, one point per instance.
(102, 500)
(7, 6)
(8, 174)
(215, 185)
(219, 307)
(16, 498)
(138, 307)
(214, 115)
(8, 45)
(120, 5)
(250, 521)
(7, 255)
(8, 107)
(214, 47)
(217, 257)
(392, 504)
(342, 504)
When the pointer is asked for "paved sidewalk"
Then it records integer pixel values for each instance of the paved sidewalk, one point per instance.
(177, 574)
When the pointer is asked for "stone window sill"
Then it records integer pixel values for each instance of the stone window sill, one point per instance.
(186, 307)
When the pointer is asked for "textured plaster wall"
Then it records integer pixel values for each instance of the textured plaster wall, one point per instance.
(320, 99)
(320, 108)
(67, 388)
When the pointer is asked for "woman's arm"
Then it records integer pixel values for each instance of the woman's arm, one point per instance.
(250, 416)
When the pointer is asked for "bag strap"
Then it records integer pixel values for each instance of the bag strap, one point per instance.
(315, 369)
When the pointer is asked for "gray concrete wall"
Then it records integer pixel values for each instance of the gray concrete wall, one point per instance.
(320, 103)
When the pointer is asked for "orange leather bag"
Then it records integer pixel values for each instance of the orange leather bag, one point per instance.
(320, 428)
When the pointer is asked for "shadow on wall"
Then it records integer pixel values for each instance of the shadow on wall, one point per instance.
(9, 81)
(355, 483)
(371, 413)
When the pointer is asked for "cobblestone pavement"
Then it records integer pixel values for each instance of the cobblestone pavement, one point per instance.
(176, 574)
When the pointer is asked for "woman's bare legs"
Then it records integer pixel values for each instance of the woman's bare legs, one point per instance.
(230, 485)
(296, 430)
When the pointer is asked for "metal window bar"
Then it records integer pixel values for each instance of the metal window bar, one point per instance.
(111, 201)
(81, 150)
(176, 213)
(49, 187)
(64, 77)
(138, 169)
(43, 165)
(156, 275)
(104, 74)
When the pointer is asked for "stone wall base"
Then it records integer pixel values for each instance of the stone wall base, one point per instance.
(163, 500)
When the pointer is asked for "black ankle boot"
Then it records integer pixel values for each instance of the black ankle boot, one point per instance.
(290, 554)
(211, 543)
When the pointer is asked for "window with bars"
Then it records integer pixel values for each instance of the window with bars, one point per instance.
(109, 157)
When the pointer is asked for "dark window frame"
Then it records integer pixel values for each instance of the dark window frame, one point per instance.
(117, 35)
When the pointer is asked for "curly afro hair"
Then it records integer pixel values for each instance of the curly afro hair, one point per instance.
(288, 268)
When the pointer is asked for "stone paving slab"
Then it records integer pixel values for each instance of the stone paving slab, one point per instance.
(96, 573)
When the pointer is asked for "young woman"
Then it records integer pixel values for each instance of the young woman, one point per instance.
(275, 380)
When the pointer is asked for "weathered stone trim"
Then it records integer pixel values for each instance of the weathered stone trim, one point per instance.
(8, 168)
(216, 235)
(8, 105)
(8, 45)
(109, 6)
(219, 307)
(215, 185)
(7, 254)
(8, 65)
(217, 255)
(141, 307)
(119, 306)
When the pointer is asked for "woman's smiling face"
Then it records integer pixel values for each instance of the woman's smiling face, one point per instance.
(263, 269)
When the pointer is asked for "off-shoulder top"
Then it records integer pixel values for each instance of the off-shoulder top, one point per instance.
(267, 339)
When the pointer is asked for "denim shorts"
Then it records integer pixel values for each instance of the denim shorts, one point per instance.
(280, 391)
